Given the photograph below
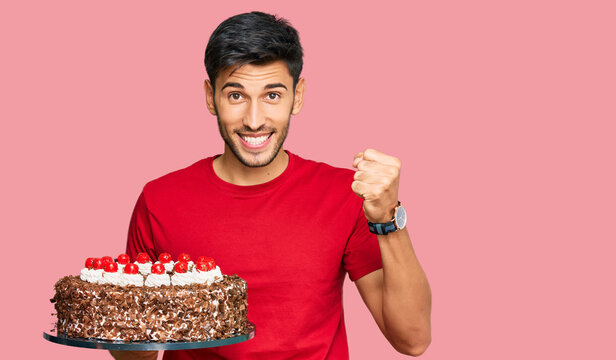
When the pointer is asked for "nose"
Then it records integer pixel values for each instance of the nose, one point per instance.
(255, 117)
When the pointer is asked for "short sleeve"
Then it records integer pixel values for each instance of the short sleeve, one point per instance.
(362, 254)
(140, 237)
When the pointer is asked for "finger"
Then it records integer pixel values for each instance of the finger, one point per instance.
(372, 178)
(377, 167)
(368, 192)
(357, 158)
(367, 165)
(359, 188)
(375, 155)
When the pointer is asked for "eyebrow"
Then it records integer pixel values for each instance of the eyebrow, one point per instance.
(240, 86)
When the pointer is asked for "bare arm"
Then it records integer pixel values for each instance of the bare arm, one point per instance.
(398, 296)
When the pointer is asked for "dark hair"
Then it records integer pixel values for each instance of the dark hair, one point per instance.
(253, 38)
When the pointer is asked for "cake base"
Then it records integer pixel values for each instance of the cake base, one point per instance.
(148, 345)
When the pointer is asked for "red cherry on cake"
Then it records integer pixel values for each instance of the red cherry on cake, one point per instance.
(180, 267)
(205, 263)
(98, 264)
(131, 268)
(111, 267)
(107, 259)
(123, 259)
(143, 258)
(184, 257)
(164, 258)
(90, 263)
(158, 269)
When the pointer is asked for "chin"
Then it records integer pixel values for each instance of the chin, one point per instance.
(255, 160)
(254, 163)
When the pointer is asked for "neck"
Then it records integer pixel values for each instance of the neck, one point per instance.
(228, 168)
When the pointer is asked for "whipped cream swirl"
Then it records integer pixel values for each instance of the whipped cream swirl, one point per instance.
(168, 266)
(180, 279)
(111, 278)
(130, 279)
(144, 269)
(145, 276)
(156, 280)
(207, 277)
(91, 275)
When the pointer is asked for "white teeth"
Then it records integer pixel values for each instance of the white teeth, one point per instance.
(255, 140)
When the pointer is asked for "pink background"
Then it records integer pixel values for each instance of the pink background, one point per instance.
(502, 114)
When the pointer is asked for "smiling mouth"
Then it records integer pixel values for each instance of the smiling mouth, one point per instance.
(255, 140)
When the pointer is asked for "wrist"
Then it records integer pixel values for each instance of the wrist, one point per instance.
(396, 222)
(384, 214)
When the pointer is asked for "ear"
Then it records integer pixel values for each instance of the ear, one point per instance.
(298, 99)
(209, 97)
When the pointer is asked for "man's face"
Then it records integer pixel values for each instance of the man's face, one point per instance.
(254, 106)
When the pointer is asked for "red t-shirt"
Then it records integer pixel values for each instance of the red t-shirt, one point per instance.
(292, 239)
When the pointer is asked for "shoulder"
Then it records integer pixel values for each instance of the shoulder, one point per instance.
(177, 180)
(329, 187)
(320, 167)
(323, 171)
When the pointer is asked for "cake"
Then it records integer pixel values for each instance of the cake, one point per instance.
(144, 301)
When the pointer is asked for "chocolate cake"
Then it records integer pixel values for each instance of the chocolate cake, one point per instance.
(206, 306)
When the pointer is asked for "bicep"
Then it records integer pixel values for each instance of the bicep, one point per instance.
(370, 287)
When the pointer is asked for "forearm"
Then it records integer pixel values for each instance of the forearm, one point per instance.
(406, 294)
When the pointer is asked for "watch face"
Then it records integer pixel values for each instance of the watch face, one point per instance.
(401, 217)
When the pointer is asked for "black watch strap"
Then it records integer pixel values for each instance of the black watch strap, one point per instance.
(382, 229)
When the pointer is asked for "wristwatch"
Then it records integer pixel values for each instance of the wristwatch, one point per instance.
(397, 223)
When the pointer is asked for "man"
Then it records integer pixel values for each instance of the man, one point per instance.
(292, 228)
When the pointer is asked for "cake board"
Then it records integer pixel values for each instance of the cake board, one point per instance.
(147, 345)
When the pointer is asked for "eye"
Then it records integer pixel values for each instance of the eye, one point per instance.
(235, 96)
(273, 96)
